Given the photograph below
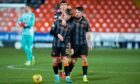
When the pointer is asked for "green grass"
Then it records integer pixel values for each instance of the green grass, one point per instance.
(106, 66)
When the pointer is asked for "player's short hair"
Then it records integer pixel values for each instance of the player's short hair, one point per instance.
(68, 11)
(28, 3)
(81, 9)
(63, 1)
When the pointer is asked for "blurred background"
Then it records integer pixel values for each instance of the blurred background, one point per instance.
(114, 23)
(115, 26)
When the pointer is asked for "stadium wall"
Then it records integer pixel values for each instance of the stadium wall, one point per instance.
(114, 23)
(99, 40)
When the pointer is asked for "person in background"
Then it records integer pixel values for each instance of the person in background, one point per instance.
(26, 21)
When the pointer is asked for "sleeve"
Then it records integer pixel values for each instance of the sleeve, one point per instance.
(19, 20)
(53, 29)
(32, 20)
(87, 27)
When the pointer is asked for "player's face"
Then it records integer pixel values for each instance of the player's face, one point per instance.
(78, 14)
(66, 16)
(27, 9)
(63, 6)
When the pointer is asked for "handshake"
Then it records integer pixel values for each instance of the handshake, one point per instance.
(22, 24)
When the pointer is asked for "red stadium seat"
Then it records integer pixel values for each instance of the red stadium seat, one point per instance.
(103, 15)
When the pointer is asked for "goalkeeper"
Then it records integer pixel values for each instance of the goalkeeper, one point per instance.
(26, 21)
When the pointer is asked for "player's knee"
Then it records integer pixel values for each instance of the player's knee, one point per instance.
(59, 60)
(84, 64)
(73, 61)
(65, 60)
(84, 58)
(55, 64)
(54, 60)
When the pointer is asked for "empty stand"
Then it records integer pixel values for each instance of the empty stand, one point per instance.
(103, 15)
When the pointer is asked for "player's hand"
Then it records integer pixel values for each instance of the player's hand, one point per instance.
(69, 51)
(89, 48)
(89, 45)
(60, 37)
(22, 24)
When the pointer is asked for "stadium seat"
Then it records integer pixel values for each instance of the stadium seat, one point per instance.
(103, 15)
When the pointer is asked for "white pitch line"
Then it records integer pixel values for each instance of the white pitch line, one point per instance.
(33, 69)
(22, 68)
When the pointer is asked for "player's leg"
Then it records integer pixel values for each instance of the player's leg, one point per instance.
(59, 64)
(55, 56)
(74, 58)
(72, 63)
(24, 46)
(84, 53)
(61, 73)
(30, 48)
(84, 67)
(28, 41)
(66, 65)
(66, 68)
(55, 69)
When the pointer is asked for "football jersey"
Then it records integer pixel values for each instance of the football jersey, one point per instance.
(29, 20)
(79, 31)
(58, 28)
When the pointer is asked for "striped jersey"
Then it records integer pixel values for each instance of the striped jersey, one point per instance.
(57, 28)
(79, 31)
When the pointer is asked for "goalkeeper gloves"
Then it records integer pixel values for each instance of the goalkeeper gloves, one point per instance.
(22, 24)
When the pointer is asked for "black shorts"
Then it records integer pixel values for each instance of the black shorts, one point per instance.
(80, 50)
(59, 51)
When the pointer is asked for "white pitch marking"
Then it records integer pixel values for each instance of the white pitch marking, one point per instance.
(18, 68)
(33, 69)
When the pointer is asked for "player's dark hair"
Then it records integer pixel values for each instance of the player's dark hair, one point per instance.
(28, 3)
(63, 1)
(68, 11)
(80, 9)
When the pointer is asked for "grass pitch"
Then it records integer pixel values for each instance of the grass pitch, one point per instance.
(106, 66)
